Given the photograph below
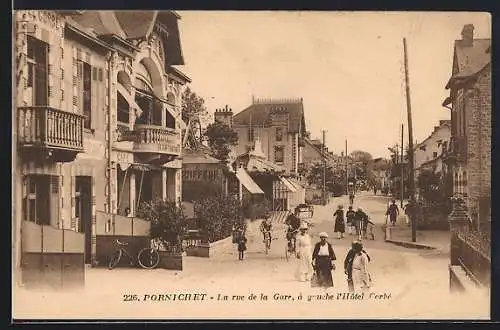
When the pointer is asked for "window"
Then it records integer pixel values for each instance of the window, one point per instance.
(434, 154)
(37, 71)
(279, 154)
(251, 134)
(122, 107)
(151, 107)
(84, 75)
(279, 133)
(37, 198)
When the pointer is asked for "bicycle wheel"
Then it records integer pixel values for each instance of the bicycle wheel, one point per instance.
(115, 259)
(148, 258)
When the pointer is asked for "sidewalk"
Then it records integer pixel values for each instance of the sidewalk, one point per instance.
(426, 239)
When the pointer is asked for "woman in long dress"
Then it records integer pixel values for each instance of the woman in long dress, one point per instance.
(360, 275)
(304, 252)
(339, 222)
(323, 257)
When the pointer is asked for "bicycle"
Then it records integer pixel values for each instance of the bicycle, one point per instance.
(291, 245)
(147, 258)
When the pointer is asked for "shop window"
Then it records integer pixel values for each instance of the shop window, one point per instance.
(39, 189)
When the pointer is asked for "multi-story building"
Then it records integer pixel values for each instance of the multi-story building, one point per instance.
(97, 122)
(428, 153)
(469, 156)
(279, 125)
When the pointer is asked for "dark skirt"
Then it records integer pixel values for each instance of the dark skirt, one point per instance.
(339, 225)
(324, 271)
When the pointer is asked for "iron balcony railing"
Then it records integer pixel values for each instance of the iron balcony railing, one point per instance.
(46, 127)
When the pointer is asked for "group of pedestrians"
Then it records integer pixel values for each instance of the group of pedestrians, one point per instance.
(357, 222)
(316, 264)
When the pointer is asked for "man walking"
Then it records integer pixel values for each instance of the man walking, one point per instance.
(392, 212)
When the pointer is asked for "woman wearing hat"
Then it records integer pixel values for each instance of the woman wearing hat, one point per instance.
(304, 248)
(361, 279)
(323, 257)
(339, 221)
(349, 261)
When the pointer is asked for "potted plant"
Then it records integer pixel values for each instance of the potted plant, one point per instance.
(168, 223)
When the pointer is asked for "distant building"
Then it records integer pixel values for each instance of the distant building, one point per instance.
(278, 124)
(428, 154)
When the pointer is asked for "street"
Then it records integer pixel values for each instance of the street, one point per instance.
(107, 292)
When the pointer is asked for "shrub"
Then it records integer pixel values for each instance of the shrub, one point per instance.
(217, 216)
(168, 222)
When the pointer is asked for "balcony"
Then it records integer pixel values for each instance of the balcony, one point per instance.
(48, 133)
(162, 143)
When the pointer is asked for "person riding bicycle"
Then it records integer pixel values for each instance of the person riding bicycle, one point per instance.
(351, 197)
(266, 227)
(293, 223)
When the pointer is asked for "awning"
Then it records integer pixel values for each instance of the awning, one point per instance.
(126, 94)
(296, 184)
(247, 181)
(288, 184)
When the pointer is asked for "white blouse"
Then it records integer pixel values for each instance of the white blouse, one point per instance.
(323, 250)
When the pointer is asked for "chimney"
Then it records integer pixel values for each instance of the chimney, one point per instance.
(468, 35)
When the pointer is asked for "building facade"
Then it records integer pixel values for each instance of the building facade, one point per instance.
(428, 153)
(469, 151)
(469, 160)
(97, 121)
(279, 125)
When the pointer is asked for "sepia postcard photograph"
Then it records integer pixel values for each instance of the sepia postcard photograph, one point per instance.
(251, 165)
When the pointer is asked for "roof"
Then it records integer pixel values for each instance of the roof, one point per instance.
(258, 114)
(248, 182)
(469, 60)
(198, 157)
(136, 23)
(102, 22)
(436, 128)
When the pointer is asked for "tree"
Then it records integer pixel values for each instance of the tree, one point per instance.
(168, 222)
(193, 106)
(315, 175)
(362, 165)
(218, 215)
(220, 138)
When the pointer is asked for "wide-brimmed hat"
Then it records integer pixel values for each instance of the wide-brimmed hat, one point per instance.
(341, 206)
(323, 234)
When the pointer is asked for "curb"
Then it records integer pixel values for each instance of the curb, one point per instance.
(411, 245)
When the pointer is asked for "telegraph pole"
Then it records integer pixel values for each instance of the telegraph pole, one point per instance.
(324, 167)
(402, 167)
(411, 183)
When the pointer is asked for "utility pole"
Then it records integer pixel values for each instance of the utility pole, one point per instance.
(324, 168)
(411, 183)
(346, 171)
(402, 167)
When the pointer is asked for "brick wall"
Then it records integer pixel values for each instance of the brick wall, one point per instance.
(478, 103)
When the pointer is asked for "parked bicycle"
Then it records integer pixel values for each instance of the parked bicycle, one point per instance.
(147, 258)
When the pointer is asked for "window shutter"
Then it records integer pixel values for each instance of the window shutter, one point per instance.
(79, 86)
(94, 89)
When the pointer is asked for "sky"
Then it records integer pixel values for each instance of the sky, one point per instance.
(347, 66)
